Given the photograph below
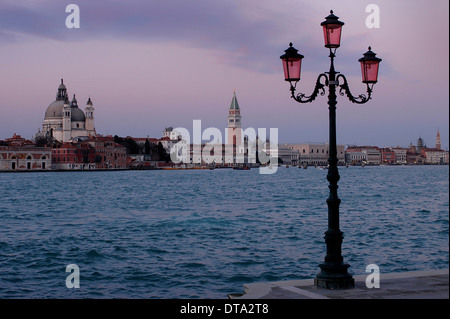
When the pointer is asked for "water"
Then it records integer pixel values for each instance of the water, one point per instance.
(203, 234)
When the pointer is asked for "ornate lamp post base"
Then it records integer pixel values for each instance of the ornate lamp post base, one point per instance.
(334, 280)
(334, 274)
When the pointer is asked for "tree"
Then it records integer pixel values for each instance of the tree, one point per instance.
(147, 147)
(129, 143)
(163, 153)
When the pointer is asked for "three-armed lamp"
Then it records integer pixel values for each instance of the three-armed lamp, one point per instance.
(333, 274)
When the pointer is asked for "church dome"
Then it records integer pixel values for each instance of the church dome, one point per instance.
(77, 115)
(54, 110)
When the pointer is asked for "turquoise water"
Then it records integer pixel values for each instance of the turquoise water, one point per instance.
(203, 234)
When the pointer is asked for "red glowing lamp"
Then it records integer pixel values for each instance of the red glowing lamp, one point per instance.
(369, 67)
(292, 64)
(332, 28)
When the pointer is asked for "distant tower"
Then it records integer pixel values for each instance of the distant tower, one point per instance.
(90, 127)
(67, 120)
(438, 141)
(234, 122)
(419, 145)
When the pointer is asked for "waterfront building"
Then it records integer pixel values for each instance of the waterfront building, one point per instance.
(316, 154)
(388, 156)
(64, 120)
(355, 157)
(370, 155)
(108, 154)
(434, 156)
(412, 157)
(70, 156)
(287, 155)
(169, 143)
(400, 155)
(19, 154)
(172, 134)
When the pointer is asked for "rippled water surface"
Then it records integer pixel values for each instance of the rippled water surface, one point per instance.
(203, 234)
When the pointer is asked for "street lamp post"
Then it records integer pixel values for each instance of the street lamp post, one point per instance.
(333, 271)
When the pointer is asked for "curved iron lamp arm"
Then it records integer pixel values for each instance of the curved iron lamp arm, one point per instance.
(302, 98)
(344, 89)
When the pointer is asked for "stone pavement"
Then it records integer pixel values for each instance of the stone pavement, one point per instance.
(431, 284)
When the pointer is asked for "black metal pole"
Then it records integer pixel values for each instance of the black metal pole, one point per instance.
(333, 274)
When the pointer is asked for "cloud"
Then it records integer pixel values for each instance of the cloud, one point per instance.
(243, 33)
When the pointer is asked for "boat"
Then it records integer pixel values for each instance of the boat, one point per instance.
(241, 168)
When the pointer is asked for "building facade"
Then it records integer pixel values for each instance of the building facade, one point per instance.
(18, 154)
(434, 156)
(356, 155)
(108, 154)
(69, 156)
(388, 156)
(401, 155)
(316, 154)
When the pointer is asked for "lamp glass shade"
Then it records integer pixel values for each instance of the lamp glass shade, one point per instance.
(369, 71)
(292, 64)
(369, 67)
(332, 35)
(292, 69)
(332, 29)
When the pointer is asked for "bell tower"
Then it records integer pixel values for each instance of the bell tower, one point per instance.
(234, 123)
(67, 120)
(438, 140)
(89, 111)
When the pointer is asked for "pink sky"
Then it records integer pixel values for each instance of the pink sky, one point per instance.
(152, 64)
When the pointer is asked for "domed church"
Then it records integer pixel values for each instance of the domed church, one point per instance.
(65, 121)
